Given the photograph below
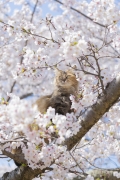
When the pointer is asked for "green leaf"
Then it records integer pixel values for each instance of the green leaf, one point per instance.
(74, 43)
(24, 165)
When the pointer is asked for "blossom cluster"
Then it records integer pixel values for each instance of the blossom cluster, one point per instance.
(86, 40)
(43, 136)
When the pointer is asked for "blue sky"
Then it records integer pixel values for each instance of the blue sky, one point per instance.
(45, 9)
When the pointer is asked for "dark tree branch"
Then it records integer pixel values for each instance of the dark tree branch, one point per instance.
(26, 95)
(11, 90)
(18, 156)
(22, 173)
(34, 9)
(84, 15)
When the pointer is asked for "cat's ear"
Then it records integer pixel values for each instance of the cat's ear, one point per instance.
(56, 70)
(71, 70)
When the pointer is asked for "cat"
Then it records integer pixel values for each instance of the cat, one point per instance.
(65, 84)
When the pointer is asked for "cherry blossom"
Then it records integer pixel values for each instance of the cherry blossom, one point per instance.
(31, 46)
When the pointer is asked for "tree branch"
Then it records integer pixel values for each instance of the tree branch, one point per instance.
(26, 95)
(34, 9)
(18, 156)
(22, 173)
(96, 111)
(101, 174)
(84, 15)
(11, 90)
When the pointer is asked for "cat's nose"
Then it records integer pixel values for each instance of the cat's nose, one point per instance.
(64, 77)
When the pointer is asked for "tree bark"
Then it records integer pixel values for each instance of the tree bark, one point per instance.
(22, 173)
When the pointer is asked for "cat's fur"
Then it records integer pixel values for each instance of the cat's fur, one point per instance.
(65, 84)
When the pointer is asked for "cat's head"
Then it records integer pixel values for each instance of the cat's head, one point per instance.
(65, 79)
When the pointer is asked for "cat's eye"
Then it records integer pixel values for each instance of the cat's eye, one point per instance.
(69, 76)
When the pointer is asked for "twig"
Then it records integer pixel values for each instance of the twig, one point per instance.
(30, 33)
(34, 9)
(76, 161)
(99, 75)
(96, 166)
(26, 95)
(98, 66)
(86, 72)
(11, 90)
